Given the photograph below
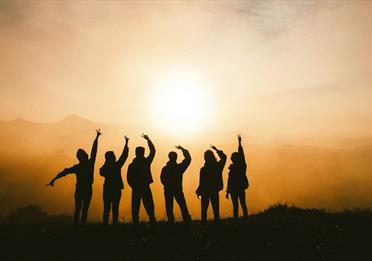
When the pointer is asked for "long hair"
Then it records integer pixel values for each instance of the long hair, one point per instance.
(209, 157)
(110, 157)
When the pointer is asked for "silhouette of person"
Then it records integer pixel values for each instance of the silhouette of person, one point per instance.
(237, 182)
(211, 182)
(111, 171)
(84, 172)
(171, 177)
(139, 179)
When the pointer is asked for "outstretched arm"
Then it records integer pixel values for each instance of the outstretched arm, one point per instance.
(62, 174)
(124, 154)
(187, 158)
(93, 153)
(151, 147)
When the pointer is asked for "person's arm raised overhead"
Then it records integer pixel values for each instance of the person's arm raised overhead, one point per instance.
(63, 173)
(187, 158)
(124, 154)
(240, 149)
(93, 153)
(151, 147)
(221, 155)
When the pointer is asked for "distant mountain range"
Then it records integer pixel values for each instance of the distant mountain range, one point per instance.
(23, 136)
(324, 172)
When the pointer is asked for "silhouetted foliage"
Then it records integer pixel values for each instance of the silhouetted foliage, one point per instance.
(28, 214)
(284, 208)
(33, 215)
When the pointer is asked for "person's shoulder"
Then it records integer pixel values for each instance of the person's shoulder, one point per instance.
(76, 166)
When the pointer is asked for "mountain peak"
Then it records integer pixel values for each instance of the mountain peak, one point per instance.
(73, 118)
(19, 120)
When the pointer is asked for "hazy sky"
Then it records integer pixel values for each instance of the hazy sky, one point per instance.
(272, 68)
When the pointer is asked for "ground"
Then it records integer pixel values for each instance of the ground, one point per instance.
(279, 233)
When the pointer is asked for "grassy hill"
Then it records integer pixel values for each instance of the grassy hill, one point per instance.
(278, 233)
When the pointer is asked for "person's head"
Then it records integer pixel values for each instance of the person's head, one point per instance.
(110, 157)
(81, 155)
(140, 152)
(172, 156)
(209, 156)
(235, 157)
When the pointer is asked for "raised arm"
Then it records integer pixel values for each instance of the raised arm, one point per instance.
(63, 173)
(93, 153)
(222, 157)
(240, 149)
(187, 158)
(151, 147)
(124, 154)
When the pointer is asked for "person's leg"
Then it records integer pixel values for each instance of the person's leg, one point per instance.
(234, 199)
(204, 207)
(169, 206)
(180, 198)
(106, 206)
(148, 203)
(136, 201)
(115, 207)
(78, 204)
(243, 203)
(85, 207)
(215, 200)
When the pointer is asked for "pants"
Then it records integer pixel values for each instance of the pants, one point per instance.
(180, 199)
(83, 195)
(214, 198)
(111, 200)
(145, 195)
(234, 198)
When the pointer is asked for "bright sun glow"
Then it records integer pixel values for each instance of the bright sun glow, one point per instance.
(181, 102)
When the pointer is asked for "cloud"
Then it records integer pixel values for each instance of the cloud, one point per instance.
(272, 17)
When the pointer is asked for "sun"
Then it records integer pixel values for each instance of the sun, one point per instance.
(181, 103)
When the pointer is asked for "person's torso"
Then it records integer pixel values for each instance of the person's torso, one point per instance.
(113, 178)
(212, 177)
(237, 176)
(84, 174)
(141, 172)
(172, 177)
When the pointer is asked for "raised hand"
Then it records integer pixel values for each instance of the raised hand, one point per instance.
(239, 138)
(179, 147)
(145, 136)
(98, 132)
(213, 147)
(50, 183)
(126, 139)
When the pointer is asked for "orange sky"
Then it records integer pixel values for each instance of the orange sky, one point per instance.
(277, 72)
(273, 68)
